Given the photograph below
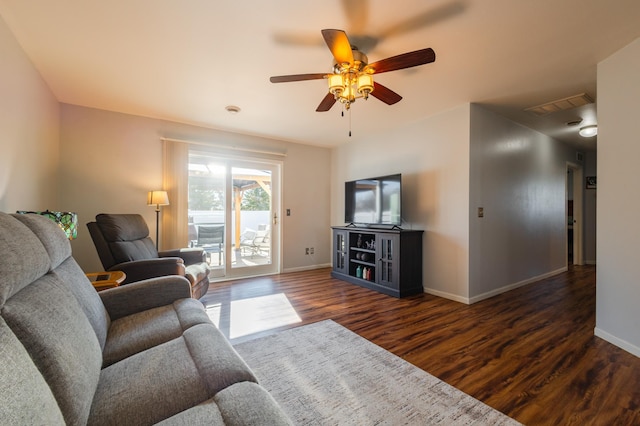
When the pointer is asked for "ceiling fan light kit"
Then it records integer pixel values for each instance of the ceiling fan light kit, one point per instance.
(349, 84)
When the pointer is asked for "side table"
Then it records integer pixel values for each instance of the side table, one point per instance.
(105, 280)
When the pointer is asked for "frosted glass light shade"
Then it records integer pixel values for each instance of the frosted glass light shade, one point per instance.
(588, 131)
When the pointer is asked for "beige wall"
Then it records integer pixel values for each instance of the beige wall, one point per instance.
(29, 133)
(433, 157)
(111, 160)
(618, 279)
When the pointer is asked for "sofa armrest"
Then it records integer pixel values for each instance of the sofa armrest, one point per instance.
(138, 270)
(189, 255)
(143, 295)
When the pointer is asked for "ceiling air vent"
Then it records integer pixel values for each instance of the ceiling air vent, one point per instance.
(561, 105)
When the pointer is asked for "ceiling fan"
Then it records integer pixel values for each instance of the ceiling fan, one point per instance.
(352, 74)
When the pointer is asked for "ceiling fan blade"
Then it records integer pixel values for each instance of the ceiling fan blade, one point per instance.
(326, 103)
(357, 14)
(406, 60)
(385, 94)
(297, 77)
(339, 45)
(293, 39)
(425, 19)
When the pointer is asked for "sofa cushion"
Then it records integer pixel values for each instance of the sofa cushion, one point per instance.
(168, 378)
(47, 319)
(23, 258)
(241, 404)
(246, 403)
(206, 413)
(25, 397)
(88, 299)
(143, 330)
(53, 239)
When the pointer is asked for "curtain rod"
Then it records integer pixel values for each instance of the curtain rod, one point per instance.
(234, 148)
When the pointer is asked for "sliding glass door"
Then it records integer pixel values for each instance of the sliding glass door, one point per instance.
(234, 213)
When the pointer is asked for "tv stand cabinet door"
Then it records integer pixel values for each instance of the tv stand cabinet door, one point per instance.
(388, 255)
(341, 251)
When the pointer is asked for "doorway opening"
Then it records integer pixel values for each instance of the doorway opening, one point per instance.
(233, 212)
(574, 214)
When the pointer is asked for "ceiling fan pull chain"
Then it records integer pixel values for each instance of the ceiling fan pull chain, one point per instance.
(349, 122)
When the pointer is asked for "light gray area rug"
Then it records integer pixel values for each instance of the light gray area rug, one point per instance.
(324, 374)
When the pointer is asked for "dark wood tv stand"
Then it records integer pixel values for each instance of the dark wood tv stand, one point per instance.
(392, 258)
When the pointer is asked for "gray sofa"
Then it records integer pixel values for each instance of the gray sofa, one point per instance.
(139, 354)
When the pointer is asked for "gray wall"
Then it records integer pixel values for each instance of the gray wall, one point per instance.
(518, 176)
(29, 133)
(433, 157)
(618, 276)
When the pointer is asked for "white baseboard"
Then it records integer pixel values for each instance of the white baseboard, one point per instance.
(621, 343)
(306, 268)
(483, 296)
(446, 295)
(513, 286)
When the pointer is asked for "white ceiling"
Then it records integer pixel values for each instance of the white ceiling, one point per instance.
(185, 61)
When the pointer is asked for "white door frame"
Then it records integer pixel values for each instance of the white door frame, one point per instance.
(276, 208)
(276, 167)
(578, 213)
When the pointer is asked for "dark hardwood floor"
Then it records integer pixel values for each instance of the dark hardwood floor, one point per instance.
(530, 353)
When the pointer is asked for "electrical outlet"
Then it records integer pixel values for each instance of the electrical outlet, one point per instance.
(311, 250)
(306, 251)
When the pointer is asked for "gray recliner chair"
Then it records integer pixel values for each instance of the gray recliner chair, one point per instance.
(123, 244)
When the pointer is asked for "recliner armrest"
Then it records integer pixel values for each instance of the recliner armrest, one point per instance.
(143, 295)
(138, 270)
(189, 255)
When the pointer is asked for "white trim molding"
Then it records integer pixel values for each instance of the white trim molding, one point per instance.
(623, 344)
(487, 295)
(306, 268)
(227, 147)
(513, 286)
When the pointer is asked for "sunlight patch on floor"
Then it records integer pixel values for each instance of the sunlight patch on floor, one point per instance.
(213, 312)
(257, 314)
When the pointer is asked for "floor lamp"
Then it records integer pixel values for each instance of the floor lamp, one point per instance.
(157, 198)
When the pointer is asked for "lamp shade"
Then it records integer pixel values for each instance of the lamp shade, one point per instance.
(336, 85)
(365, 84)
(68, 221)
(157, 198)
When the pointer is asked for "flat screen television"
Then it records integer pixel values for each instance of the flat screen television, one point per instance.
(374, 201)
